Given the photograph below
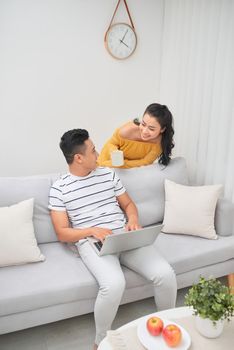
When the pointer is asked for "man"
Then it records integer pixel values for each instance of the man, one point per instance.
(91, 201)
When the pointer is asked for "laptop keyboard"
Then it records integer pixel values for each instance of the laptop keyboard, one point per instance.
(98, 245)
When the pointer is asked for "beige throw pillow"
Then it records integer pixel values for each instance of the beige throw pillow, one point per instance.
(190, 209)
(18, 244)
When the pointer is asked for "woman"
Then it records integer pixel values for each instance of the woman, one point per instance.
(142, 142)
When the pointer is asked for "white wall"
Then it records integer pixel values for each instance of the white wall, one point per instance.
(55, 74)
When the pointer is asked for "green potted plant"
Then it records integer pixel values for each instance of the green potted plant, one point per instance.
(212, 304)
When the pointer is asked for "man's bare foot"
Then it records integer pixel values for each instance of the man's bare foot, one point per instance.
(95, 347)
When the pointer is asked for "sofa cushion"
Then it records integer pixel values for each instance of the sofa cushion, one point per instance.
(190, 209)
(187, 253)
(18, 243)
(145, 185)
(61, 278)
(16, 189)
(224, 217)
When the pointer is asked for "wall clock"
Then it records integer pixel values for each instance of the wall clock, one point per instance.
(120, 38)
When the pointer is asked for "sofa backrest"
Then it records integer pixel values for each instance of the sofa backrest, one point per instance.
(145, 185)
(17, 189)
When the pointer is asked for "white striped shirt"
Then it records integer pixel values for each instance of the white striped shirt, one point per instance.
(89, 201)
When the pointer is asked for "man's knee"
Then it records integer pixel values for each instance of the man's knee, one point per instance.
(165, 274)
(114, 288)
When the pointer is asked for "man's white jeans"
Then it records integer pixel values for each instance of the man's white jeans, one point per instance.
(108, 272)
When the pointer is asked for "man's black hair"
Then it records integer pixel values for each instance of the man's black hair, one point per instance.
(73, 142)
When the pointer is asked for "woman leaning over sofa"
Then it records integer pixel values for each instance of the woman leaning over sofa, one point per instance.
(142, 142)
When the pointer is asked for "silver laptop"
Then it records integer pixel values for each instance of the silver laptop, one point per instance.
(122, 241)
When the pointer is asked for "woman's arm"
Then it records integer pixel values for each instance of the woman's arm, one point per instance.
(112, 144)
(148, 159)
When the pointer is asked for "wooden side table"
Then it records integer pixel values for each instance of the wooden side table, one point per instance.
(231, 282)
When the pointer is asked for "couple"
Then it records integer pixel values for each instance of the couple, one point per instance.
(91, 201)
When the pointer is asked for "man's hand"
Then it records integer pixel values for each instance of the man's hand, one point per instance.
(100, 233)
(130, 210)
(133, 225)
(67, 234)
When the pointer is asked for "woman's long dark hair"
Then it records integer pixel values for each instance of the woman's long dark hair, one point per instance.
(162, 114)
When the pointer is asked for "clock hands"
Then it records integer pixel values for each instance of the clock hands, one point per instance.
(122, 40)
(124, 35)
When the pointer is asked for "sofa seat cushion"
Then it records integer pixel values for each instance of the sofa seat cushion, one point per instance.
(187, 253)
(61, 278)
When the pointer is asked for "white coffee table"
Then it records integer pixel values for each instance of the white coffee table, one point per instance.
(178, 312)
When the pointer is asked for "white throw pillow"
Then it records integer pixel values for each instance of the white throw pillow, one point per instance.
(18, 244)
(190, 209)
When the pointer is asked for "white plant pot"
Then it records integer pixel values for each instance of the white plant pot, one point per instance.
(207, 328)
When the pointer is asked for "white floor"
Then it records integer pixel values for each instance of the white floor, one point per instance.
(75, 333)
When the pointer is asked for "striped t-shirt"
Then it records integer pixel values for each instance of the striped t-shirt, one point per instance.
(90, 201)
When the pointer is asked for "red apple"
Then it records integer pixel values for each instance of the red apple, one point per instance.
(154, 325)
(172, 335)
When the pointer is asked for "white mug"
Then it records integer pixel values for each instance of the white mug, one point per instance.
(117, 158)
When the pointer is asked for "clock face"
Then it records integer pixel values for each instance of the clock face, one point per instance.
(120, 40)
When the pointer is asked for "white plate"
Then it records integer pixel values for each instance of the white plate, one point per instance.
(157, 342)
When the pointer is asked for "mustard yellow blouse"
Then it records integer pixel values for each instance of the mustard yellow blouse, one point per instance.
(136, 153)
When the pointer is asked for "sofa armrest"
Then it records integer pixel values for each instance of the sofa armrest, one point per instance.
(224, 217)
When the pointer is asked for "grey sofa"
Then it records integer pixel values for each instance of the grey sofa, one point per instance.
(62, 287)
